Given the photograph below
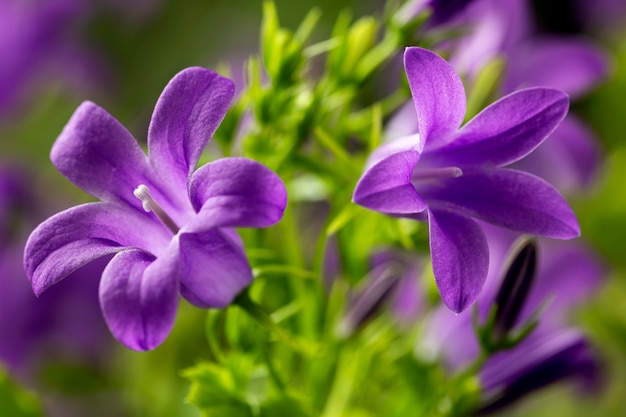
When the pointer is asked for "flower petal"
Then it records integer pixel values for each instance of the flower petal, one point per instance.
(460, 257)
(438, 95)
(213, 268)
(139, 297)
(386, 187)
(77, 236)
(506, 131)
(507, 198)
(188, 113)
(99, 155)
(236, 192)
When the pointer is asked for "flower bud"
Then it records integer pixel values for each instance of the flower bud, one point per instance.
(518, 278)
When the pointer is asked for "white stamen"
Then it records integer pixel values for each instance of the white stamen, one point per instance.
(142, 192)
(436, 173)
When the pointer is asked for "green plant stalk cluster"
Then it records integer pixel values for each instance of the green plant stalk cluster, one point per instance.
(308, 111)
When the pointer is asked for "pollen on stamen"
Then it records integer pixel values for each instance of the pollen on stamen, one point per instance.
(142, 192)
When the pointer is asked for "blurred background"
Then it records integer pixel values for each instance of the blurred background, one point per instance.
(56, 353)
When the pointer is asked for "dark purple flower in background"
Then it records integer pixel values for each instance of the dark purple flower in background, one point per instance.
(168, 224)
(568, 273)
(442, 11)
(601, 15)
(448, 175)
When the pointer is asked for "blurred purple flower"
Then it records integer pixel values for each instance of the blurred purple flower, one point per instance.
(442, 10)
(49, 327)
(495, 27)
(544, 358)
(168, 224)
(40, 42)
(447, 176)
(576, 67)
(569, 63)
(391, 282)
(567, 274)
(445, 10)
(34, 36)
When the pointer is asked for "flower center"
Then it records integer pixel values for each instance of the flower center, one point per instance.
(149, 205)
(436, 173)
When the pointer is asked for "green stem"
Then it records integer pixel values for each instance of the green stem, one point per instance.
(256, 312)
(210, 332)
(345, 379)
(272, 371)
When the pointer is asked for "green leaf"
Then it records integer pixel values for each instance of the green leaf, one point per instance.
(308, 25)
(214, 391)
(285, 406)
(269, 31)
(349, 212)
(359, 43)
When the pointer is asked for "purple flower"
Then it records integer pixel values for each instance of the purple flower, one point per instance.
(567, 274)
(168, 224)
(448, 175)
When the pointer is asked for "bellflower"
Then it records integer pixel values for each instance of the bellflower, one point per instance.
(450, 176)
(168, 224)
